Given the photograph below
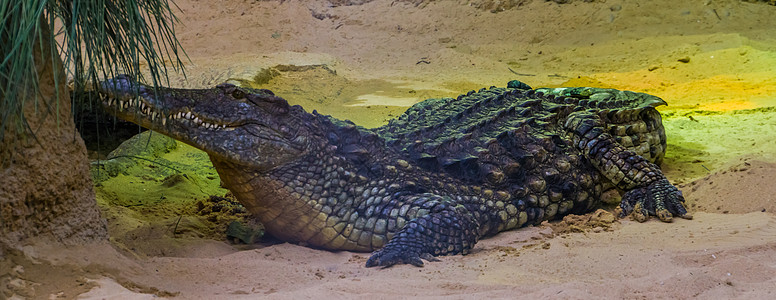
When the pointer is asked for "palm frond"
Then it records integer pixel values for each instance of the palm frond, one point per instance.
(101, 38)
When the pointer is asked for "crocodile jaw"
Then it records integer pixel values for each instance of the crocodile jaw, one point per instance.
(227, 129)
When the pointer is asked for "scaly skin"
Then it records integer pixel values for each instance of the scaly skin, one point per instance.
(433, 181)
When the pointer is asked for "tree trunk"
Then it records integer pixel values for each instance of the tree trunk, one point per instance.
(45, 187)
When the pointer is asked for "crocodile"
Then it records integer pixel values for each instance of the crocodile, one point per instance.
(431, 182)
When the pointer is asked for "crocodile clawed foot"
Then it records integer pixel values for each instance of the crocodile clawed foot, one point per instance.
(390, 256)
(660, 199)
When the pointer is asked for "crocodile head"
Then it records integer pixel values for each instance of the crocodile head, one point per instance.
(246, 127)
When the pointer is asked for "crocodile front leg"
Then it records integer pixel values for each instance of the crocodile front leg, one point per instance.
(648, 192)
(446, 230)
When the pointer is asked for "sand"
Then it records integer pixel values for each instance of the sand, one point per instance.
(713, 61)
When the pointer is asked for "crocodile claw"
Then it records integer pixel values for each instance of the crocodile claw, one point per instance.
(660, 199)
(390, 256)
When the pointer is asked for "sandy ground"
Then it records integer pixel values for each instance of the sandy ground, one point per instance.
(713, 61)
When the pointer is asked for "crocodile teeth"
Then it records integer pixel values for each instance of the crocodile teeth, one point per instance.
(186, 116)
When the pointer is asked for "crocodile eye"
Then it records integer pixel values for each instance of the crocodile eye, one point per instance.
(238, 94)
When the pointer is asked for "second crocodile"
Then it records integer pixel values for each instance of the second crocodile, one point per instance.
(431, 182)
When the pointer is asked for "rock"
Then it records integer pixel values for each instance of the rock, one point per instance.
(147, 144)
(246, 232)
